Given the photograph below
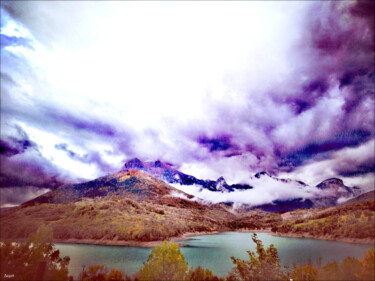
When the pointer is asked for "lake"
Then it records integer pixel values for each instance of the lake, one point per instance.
(212, 252)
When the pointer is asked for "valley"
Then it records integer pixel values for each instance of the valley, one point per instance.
(133, 208)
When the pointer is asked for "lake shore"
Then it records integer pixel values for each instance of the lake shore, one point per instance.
(187, 235)
(326, 237)
(146, 244)
(149, 244)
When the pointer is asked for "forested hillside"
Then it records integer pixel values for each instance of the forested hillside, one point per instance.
(349, 221)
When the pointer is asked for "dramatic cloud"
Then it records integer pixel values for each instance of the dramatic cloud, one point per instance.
(219, 143)
(353, 165)
(23, 165)
(10, 197)
(216, 88)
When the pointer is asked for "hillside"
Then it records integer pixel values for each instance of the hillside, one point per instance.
(134, 206)
(131, 184)
(125, 206)
(362, 198)
(353, 221)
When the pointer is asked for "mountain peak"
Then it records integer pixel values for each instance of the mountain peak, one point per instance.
(221, 179)
(260, 174)
(337, 188)
(158, 164)
(133, 164)
(330, 182)
(221, 185)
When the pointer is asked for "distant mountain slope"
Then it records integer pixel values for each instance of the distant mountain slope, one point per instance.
(351, 222)
(131, 184)
(362, 198)
(278, 206)
(334, 191)
(337, 188)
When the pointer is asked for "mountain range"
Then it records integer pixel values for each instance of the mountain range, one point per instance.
(166, 173)
(159, 179)
(332, 190)
(134, 205)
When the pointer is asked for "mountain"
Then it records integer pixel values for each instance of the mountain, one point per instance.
(337, 188)
(126, 206)
(370, 195)
(132, 205)
(166, 173)
(281, 206)
(264, 174)
(332, 190)
(132, 184)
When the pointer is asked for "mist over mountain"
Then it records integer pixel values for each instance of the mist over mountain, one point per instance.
(261, 190)
(154, 181)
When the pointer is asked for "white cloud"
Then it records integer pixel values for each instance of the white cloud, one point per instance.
(265, 190)
(315, 172)
(235, 169)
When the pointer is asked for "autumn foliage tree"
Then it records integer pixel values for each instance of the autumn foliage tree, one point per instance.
(96, 273)
(264, 264)
(368, 266)
(33, 260)
(350, 269)
(100, 273)
(117, 275)
(166, 262)
(201, 274)
(306, 272)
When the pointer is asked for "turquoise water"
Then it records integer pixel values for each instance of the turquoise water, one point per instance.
(212, 252)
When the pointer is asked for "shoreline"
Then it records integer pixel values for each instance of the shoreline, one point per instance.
(186, 236)
(131, 243)
(367, 241)
(150, 244)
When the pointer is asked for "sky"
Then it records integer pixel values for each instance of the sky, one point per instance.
(215, 88)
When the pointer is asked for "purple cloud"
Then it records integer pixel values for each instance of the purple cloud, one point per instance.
(310, 94)
(23, 165)
(30, 169)
(92, 157)
(95, 126)
(219, 143)
(279, 118)
(16, 145)
(320, 150)
(354, 168)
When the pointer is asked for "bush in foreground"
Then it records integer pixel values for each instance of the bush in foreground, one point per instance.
(166, 262)
(264, 264)
(36, 259)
